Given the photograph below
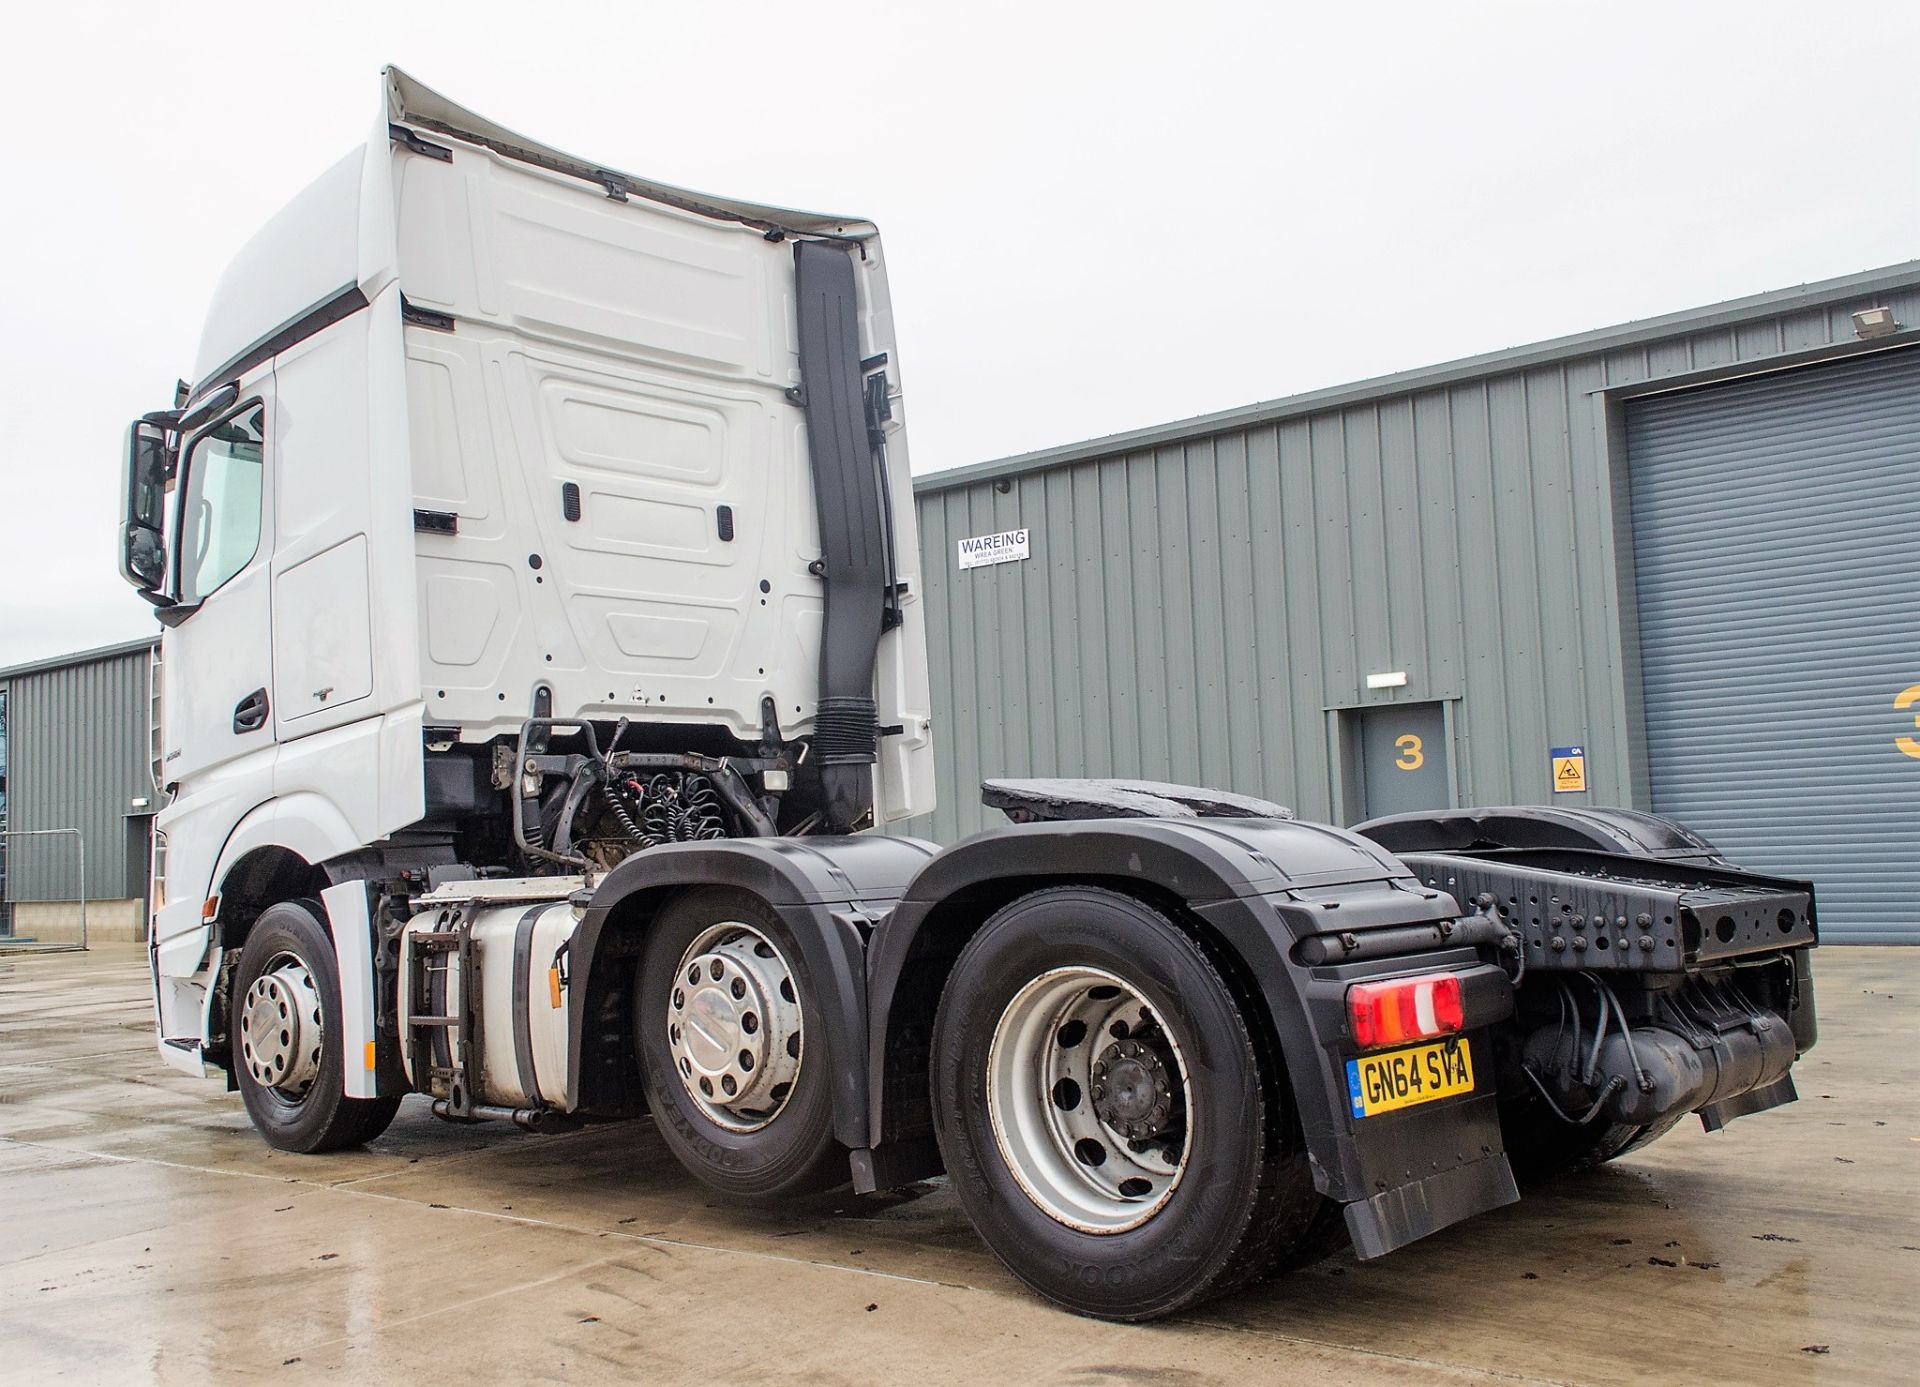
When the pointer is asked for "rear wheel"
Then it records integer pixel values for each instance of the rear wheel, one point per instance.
(288, 1066)
(736, 1075)
(1113, 1127)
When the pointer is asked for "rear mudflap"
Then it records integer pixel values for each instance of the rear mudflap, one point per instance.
(1425, 1167)
(1405, 1173)
(1406, 1213)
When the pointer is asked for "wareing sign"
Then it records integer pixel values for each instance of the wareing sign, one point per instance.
(1009, 546)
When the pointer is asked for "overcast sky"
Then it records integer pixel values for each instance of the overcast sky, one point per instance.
(1098, 217)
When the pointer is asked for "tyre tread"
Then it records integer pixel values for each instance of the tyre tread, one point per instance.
(1286, 1202)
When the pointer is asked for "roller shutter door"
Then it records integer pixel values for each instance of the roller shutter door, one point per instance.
(1776, 531)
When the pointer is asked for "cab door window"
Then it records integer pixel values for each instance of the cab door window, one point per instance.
(219, 517)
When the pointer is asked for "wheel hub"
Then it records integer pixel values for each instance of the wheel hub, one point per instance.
(733, 1026)
(280, 1027)
(1088, 1097)
(1132, 1093)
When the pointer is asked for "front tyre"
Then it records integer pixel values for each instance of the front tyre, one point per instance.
(1117, 1132)
(732, 1054)
(285, 1057)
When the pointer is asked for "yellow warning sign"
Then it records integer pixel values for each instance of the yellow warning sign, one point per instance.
(1569, 769)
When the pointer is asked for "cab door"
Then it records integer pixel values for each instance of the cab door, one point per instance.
(218, 738)
(323, 622)
(218, 665)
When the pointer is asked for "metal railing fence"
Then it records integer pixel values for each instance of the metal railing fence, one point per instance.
(9, 939)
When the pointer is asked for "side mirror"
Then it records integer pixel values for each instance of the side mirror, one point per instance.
(143, 550)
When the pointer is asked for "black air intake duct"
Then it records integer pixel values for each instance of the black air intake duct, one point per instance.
(853, 530)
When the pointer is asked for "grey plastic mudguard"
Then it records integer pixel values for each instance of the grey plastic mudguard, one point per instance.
(828, 891)
(1262, 886)
(1541, 826)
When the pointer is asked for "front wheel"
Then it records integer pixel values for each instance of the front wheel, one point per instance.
(1115, 1129)
(286, 1006)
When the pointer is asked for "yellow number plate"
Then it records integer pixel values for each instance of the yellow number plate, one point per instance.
(1402, 1078)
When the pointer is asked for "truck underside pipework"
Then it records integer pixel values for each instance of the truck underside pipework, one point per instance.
(544, 649)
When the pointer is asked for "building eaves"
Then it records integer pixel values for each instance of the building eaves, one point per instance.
(80, 657)
(1820, 294)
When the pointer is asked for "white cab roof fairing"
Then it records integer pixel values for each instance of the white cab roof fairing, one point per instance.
(413, 104)
(336, 234)
(339, 232)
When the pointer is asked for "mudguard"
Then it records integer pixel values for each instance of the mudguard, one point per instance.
(1542, 826)
(829, 891)
(1263, 886)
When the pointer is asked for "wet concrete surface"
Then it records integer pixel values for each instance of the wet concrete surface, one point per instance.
(146, 1235)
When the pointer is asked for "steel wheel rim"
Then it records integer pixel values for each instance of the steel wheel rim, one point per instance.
(281, 1030)
(734, 1027)
(1101, 1165)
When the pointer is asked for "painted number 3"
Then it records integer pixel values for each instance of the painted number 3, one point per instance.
(1902, 701)
(1412, 758)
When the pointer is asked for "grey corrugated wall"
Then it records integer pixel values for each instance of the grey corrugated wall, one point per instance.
(1201, 597)
(77, 757)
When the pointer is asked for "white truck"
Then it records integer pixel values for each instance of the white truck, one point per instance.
(536, 555)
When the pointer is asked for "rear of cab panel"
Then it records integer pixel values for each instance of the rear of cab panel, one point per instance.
(602, 375)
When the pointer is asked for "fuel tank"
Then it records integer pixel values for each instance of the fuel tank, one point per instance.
(1705, 1048)
(484, 1002)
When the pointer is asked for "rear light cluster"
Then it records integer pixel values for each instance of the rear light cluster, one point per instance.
(1397, 1010)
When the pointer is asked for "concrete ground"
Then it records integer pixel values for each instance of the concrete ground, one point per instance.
(147, 1235)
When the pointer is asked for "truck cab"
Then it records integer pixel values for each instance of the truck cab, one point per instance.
(479, 433)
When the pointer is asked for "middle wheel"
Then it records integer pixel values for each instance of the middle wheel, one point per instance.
(736, 1077)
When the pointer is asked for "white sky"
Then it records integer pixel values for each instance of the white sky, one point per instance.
(1097, 217)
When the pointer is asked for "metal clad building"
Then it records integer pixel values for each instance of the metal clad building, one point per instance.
(1539, 540)
(77, 755)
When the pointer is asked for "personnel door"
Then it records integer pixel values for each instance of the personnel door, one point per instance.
(1403, 758)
